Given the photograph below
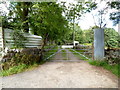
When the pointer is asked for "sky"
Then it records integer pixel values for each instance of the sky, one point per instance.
(87, 19)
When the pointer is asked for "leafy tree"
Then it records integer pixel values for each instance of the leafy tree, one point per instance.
(48, 22)
(88, 36)
(69, 36)
(101, 21)
(19, 15)
(100, 17)
(3, 17)
(111, 38)
(4, 22)
(14, 21)
(115, 16)
(74, 12)
(79, 34)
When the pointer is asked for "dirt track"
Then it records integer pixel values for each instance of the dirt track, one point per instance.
(78, 74)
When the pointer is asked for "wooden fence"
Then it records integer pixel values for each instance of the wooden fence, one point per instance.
(6, 39)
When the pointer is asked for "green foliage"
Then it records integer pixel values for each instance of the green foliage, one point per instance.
(98, 63)
(73, 12)
(68, 37)
(50, 24)
(17, 69)
(79, 34)
(19, 15)
(24, 61)
(114, 4)
(13, 70)
(27, 56)
(89, 44)
(18, 59)
(88, 36)
(111, 38)
(28, 59)
(115, 16)
(113, 68)
(46, 18)
(4, 22)
(18, 39)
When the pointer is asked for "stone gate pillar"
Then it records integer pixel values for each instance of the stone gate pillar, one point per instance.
(98, 44)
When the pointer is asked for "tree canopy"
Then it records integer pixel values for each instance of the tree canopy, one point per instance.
(50, 24)
(115, 16)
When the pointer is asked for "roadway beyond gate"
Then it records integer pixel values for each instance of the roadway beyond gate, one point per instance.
(61, 73)
(65, 56)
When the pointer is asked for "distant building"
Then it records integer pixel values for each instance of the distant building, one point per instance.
(75, 43)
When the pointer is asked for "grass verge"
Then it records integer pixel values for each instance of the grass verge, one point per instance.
(17, 69)
(113, 68)
(87, 44)
(24, 67)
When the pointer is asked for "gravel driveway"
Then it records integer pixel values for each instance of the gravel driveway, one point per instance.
(60, 74)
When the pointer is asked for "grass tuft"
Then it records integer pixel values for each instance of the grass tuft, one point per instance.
(17, 69)
(97, 63)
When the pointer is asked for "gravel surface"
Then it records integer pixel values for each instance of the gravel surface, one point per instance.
(77, 74)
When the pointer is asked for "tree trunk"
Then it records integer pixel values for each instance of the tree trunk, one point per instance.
(74, 29)
(26, 6)
(42, 48)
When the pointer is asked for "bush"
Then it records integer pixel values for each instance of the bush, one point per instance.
(31, 51)
(111, 38)
(21, 59)
(27, 56)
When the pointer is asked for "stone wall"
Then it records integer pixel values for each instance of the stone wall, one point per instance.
(112, 56)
